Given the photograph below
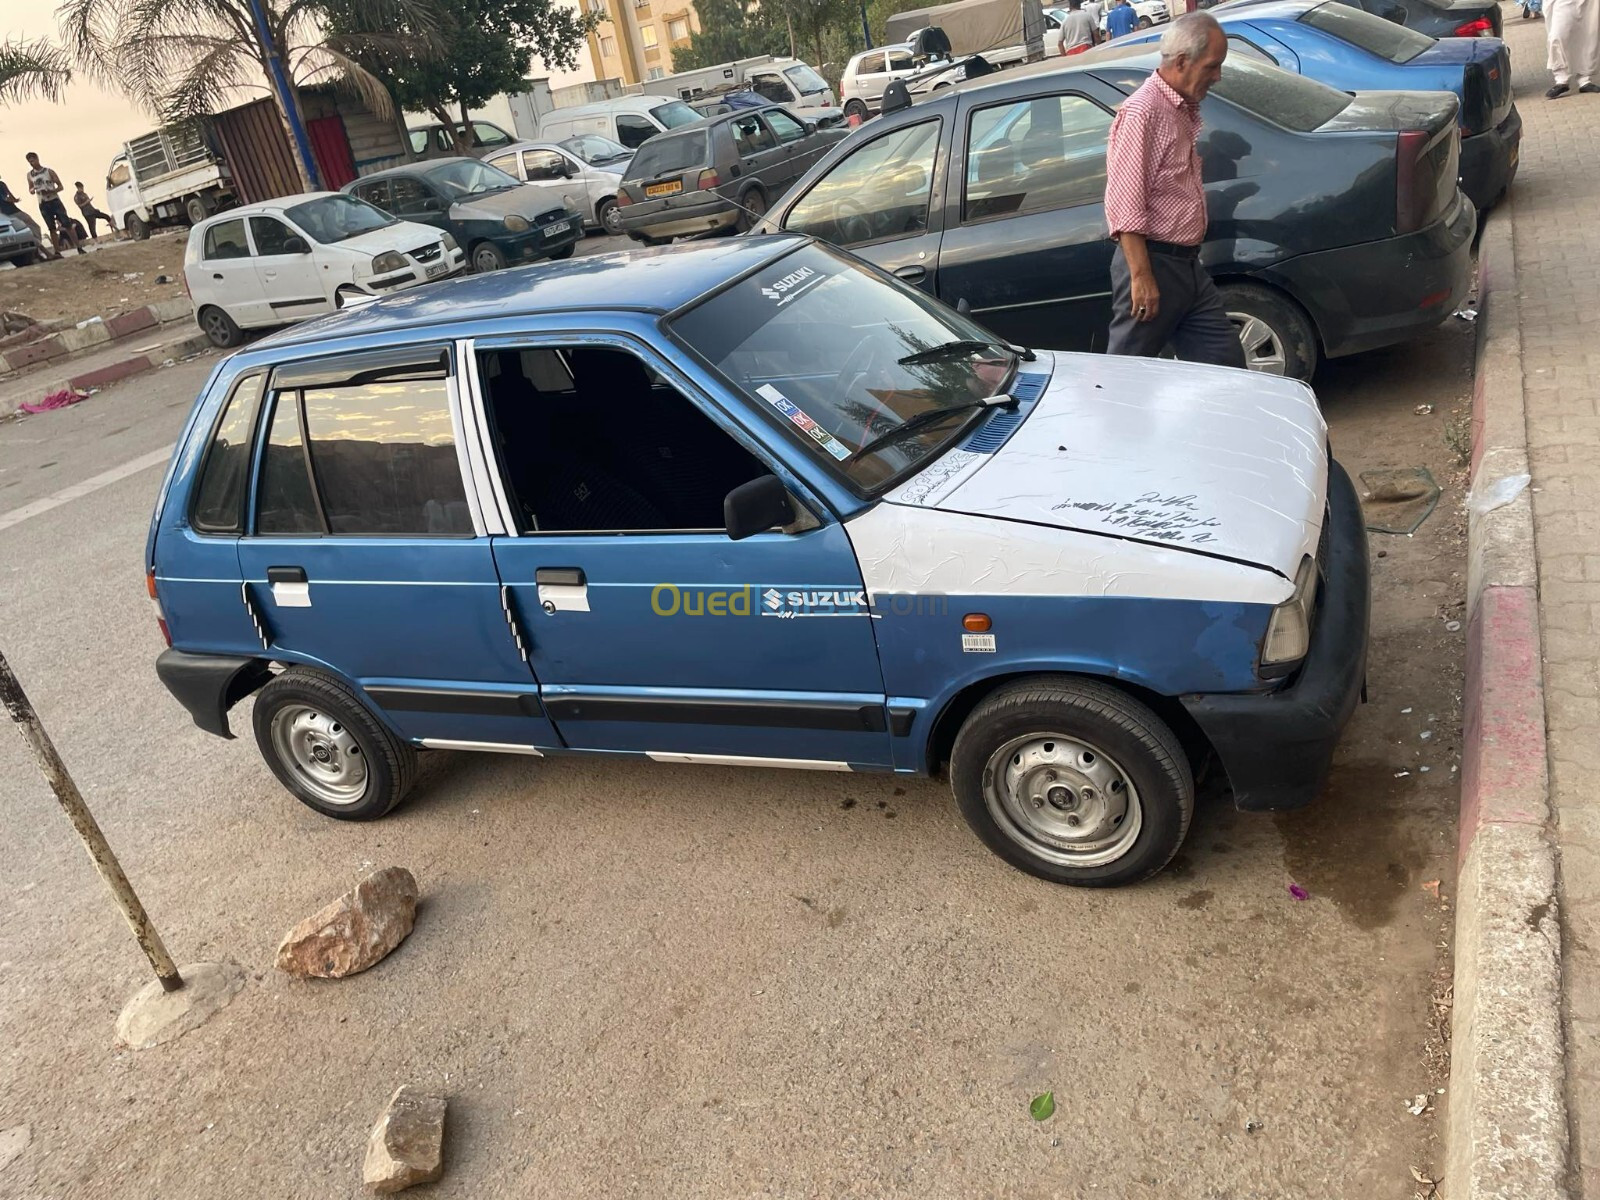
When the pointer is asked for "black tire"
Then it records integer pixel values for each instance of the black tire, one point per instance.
(855, 108)
(1144, 23)
(136, 227)
(644, 239)
(194, 209)
(564, 252)
(217, 325)
(306, 702)
(1069, 726)
(1286, 325)
(752, 207)
(26, 259)
(486, 257)
(609, 216)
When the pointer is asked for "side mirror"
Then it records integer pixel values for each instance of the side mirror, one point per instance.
(295, 245)
(756, 507)
(431, 204)
(811, 126)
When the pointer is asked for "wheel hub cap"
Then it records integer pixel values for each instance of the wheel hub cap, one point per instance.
(1263, 350)
(1063, 799)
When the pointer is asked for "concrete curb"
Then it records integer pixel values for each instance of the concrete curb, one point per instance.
(1506, 1133)
(41, 384)
(28, 349)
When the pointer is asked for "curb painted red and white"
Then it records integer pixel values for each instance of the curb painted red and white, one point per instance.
(1506, 1134)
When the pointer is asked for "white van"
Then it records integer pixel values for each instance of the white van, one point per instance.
(630, 120)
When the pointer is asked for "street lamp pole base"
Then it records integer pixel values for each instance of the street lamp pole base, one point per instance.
(156, 1015)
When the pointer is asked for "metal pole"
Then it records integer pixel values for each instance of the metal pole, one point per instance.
(291, 106)
(55, 773)
(866, 29)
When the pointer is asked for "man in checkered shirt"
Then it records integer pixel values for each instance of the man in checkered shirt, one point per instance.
(1156, 207)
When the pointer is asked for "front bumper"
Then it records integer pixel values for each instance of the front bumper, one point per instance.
(1375, 294)
(534, 245)
(1489, 160)
(1276, 748)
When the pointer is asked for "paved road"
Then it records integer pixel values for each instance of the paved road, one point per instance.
(686, 981)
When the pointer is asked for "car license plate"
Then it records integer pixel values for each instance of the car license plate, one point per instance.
(437, 269)
(557, 229)
(664, 189)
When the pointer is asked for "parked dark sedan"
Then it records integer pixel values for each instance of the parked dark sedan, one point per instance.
(1436, 18)
(1336, 223)
(489, 213)
(720, 173)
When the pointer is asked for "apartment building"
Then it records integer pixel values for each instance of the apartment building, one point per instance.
(635, 43)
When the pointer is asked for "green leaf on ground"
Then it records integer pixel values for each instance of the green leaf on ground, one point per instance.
(1043, 1106)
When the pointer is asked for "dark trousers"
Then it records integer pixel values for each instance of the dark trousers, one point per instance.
(1190, 316)
(92, 214)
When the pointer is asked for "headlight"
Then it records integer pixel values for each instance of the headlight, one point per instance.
(516, 224)
(448, 242)
(389, 260)
(1289, 630)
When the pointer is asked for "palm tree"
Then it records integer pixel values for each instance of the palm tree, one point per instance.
(29, 69)
(182, 59)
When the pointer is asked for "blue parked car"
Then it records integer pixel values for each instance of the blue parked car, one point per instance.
(1344, 47)
(755, 502)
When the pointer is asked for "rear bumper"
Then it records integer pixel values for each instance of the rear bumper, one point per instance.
(1276, 748)
(1378, 293)
(1489, 160)
(208, 685)
(698, 216)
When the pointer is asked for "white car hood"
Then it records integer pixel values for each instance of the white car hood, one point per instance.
(402, 236)
(1211, 460)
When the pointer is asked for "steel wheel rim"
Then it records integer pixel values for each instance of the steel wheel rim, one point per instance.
(612, 219)
(1263, 348)
(1062, 799)
(322, 754)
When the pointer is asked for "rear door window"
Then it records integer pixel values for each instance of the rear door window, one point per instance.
(634, 131)
(1032, 155)
(408, 195)
(225, 239)
(751, 136)
(1389, 41)
(882, 190)
(870, 64)
(375, 193)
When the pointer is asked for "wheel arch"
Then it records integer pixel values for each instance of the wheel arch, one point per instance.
(1284, 292)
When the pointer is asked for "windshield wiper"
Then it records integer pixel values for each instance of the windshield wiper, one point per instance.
(931, 417)
(947, 350)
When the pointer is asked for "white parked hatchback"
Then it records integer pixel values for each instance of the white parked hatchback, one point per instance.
(301, 256)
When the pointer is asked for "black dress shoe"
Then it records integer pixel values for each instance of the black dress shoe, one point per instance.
(1557, 92)
(1590, 88)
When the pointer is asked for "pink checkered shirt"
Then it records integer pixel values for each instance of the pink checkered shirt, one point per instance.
(1153, 169)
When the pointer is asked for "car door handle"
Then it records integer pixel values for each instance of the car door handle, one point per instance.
(215, 275)
(911, 274)
(286, 575)
(289, 587)
(560, 576)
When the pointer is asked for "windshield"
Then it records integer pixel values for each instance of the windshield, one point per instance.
(842, 356)
(674, 113)
(1273, 94)
(469, 177)
(330, 219)
(1373, 34)
(594, 149)
(805, 79)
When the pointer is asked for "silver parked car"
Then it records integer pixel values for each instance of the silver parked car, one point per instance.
(721, 173)
(582, 172)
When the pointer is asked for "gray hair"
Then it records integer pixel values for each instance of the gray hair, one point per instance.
(1188, 36)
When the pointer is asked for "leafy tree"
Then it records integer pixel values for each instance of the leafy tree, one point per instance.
(467, 52)
(818, 21)
(29, 69)
(729, 30)
(182, 59)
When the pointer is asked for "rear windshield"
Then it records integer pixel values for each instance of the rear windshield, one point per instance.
(1273, 94)
(1389, 41)
(666, 155)
(674, 113)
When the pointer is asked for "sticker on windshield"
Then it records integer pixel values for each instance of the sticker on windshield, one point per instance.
(791, 285)
(793, 411)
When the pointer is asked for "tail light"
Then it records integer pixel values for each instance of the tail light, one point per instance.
(1415, 187)
(155, 602)
(1474, 28)
(708, 180)
(1477, 108)
(623, 198)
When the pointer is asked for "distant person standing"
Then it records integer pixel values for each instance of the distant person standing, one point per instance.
(1121, 20)
(46, 185)
(1077, 29)
(1572, 32)
(9, 207)
(1156, 207)
(91, 214)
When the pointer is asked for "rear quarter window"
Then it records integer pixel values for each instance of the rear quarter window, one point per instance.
(218, 505)
(666, 155)
(1389, 41)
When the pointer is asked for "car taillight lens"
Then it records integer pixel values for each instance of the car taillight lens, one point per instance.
(623, 198)
(1413, 193)
(155, 602)
(707, 181)
(1474, 28)
(1476, 107)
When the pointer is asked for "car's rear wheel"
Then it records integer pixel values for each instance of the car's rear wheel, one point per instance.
(136, 227)
(855, 108)
(610, 217)
(486, 257)
(219, 327)
(328, 749)
(195, 209)
(1074, 781)
(1275, 334)
(753, 206)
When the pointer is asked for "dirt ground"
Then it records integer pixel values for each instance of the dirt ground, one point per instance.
(98, 282)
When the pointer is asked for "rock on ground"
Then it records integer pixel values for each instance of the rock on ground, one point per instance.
(407, 1143)
(354, 932)
(13, 1142)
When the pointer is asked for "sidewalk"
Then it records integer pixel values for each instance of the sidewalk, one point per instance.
(1556, 238)
(102, 368)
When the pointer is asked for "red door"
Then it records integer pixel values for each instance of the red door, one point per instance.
(331, 148)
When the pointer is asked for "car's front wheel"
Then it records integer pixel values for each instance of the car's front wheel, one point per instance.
(1275, 334)
(327, 748)
(486, 257)
(1073, 780)
(137, 227)
(219, 327)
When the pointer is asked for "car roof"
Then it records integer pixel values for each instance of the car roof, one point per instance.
(429, 164)
(599, 108)
(276, 205)
(1288, 9)
(1143, 56)
(658, 280)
